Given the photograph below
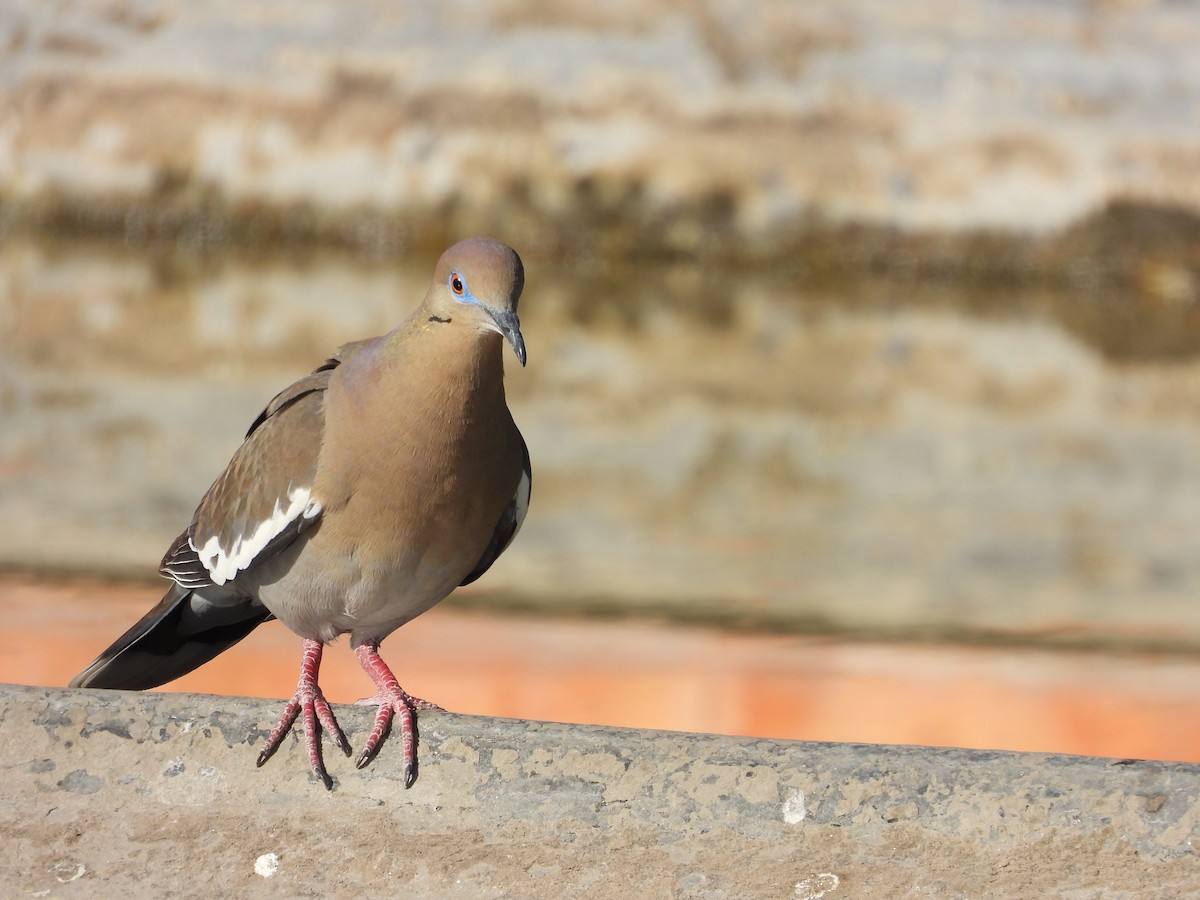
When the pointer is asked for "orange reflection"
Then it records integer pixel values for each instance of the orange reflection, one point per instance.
(652, 676)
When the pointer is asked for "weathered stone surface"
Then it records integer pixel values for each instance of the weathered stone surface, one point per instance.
(718, 128)
(158, 794)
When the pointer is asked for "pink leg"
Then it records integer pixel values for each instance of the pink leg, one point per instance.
(392, 700)
(309, 702)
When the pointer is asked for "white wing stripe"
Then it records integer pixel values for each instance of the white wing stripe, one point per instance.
(522, 501)
(223, 567)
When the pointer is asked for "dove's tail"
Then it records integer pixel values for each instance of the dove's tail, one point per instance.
(181, 633)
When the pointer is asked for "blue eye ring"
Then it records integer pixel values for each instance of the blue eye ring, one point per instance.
(456, 284)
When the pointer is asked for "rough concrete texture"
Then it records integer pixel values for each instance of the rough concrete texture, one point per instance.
(108, 793)
(723, 127)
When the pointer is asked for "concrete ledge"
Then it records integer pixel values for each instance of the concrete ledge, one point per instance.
(107, 792)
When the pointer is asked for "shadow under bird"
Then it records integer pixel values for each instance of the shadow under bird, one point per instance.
(362, 495)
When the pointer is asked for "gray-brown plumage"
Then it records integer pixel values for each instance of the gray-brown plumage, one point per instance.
(363, 494)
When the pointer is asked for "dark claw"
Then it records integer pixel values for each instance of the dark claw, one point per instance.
(324, 777)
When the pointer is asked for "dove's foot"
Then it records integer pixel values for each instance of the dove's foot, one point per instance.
(393, 702)
(310, 703)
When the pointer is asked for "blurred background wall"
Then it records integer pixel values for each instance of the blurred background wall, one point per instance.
(854, 321)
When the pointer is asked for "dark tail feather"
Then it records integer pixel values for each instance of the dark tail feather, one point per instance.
(177, 636)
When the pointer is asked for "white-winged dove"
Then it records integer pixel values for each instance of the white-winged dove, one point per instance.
(362, 495)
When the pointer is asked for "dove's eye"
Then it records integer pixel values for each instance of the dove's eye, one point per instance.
(456, 284)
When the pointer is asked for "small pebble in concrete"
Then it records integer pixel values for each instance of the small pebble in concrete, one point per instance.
(66, 872)
(81, 782)
(794, 809)
(266, 865)
(817, 886)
